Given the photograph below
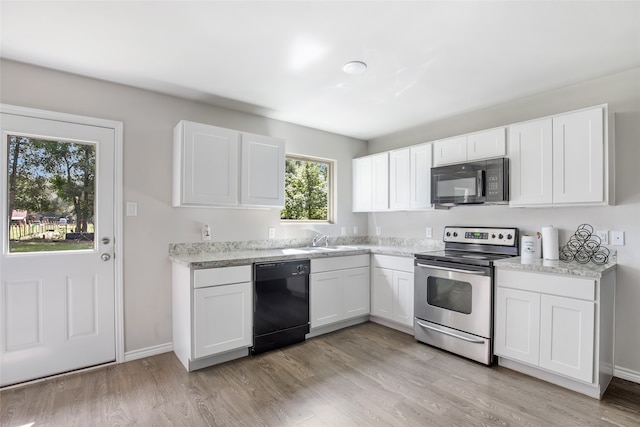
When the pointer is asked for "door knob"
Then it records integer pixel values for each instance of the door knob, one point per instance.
(105, 257)
(105, 240)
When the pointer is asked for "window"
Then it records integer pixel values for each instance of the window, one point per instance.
(51, 194)
(308, 189)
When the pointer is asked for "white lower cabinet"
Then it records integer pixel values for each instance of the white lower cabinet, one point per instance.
(222, 318)
(392, 288)
(556, 327)
(339, 289)
(212, 314)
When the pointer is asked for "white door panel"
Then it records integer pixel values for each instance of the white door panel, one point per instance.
(58, 307)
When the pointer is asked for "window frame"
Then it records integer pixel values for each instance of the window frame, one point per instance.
(331, 193)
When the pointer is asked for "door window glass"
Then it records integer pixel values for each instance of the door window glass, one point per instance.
(51, 194)
(453, 295)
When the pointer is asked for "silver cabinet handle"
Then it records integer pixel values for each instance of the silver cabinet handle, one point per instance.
(451, 334)
(455, 270)
(105, 257)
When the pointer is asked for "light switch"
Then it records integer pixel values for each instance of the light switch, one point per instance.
(132, 208)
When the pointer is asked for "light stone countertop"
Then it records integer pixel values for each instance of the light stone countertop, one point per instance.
(233, 257)
(557, 267)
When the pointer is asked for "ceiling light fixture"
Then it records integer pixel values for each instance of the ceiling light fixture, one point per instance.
(354, 67)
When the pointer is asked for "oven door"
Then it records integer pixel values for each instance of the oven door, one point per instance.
(454, 295)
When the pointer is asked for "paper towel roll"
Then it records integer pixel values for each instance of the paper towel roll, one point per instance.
(550, 246)
(529, 247)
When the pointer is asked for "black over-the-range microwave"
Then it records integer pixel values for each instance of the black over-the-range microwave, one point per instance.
(484, 181)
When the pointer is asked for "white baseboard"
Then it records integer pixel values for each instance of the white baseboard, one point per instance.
(627, 374)
(147, 352)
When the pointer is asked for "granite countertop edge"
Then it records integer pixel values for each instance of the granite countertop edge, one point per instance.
(556, 267)
(248, 257)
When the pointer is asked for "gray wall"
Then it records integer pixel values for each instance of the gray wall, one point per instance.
(622, 93)
(148, 120)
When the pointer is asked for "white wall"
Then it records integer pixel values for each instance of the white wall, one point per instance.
(148, 120)
(622, 93)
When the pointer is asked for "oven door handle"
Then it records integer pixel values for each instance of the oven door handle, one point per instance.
(451, 334)
(454, 270)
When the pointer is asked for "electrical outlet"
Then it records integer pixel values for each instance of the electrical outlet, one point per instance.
(429, 233)
(272, 232)
(378, 230)
(603, 235)
(343, 231)
(206, 232)
(355, 229)
(617, 238)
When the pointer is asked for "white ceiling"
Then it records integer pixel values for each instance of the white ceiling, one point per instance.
(426, 59)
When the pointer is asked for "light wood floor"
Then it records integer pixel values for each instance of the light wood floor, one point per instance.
(364, 375)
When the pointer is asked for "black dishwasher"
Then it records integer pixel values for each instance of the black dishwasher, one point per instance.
(280, 304)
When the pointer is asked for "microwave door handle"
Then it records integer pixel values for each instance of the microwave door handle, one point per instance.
(480, 182)
(449, 269)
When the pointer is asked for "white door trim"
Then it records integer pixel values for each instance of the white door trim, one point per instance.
(117, 202)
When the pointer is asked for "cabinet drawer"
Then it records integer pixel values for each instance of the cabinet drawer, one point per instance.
(571, 287)
(221, 276)
(393, 262)
(319, 265)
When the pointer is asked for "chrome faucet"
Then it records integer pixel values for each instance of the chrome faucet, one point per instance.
(318, 238)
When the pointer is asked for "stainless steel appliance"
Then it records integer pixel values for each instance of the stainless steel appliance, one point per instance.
(453, 304)
(478, 182)
(281, 304)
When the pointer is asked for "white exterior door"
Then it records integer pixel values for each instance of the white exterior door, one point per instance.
(58, 284)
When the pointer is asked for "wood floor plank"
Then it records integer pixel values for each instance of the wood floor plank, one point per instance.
(364, 375)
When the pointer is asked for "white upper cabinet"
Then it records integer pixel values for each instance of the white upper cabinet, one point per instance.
(450, 150)
(400, 179)
(560, 160)
(476, 146)
(407, 180)
(420, 168)
(487, 144)
(262, 179)
(371, 183)
(578, 157)
(214, 166)
(205, 163)
(531, 157)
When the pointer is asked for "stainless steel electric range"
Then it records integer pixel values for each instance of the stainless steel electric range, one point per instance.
(454, 288)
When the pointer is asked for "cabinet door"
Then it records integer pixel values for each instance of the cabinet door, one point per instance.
(567, 328)
(578, 157)
(517, 325)
(382, 293)
(380, 182)
(403, 297)
(400, 179)
(450, 150)
(362, 185)
(262, 180)
(487, 144)
(205, 165)
(222, 318)
(355, 292)
(325, 294)
(531, 163)
(420, 177)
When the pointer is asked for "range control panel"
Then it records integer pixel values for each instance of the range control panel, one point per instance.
(481, 235)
